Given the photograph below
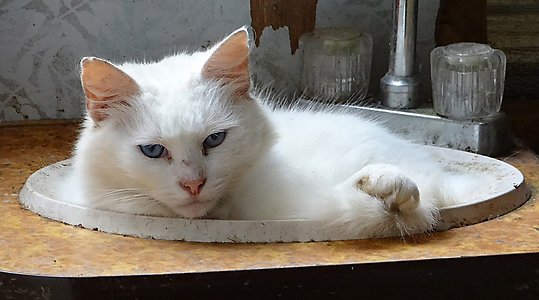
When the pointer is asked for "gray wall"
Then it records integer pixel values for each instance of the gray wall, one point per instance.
(42, 41)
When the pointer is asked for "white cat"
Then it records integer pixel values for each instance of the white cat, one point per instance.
(183, 137)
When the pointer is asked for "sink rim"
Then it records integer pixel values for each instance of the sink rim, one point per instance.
(41, 201)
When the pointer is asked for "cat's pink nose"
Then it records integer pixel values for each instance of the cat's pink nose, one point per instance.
(193, 187)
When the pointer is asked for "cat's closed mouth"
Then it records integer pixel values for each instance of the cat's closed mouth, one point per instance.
(196, 204)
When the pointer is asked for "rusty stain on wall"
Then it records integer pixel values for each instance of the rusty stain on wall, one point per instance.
(298, 15)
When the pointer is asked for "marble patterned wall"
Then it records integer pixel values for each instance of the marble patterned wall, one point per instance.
(42, 41)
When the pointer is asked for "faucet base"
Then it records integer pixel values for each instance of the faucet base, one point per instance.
(399, 91)
(488, 136)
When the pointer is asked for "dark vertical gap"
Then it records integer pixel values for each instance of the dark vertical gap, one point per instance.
(461, 21)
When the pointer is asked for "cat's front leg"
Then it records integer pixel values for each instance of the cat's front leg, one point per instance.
(379, 201)
(390, 185)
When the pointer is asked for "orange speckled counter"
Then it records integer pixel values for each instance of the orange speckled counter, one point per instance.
(30, 244)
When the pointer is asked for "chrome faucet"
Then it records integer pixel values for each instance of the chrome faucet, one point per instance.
(400, 86)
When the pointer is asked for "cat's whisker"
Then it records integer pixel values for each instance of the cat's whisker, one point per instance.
(120, 200)
(115, 192)
(119, 196)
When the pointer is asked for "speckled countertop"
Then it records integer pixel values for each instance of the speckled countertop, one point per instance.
(30, 244)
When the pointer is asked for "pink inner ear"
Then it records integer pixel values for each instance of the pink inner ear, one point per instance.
(229, 64)
(104, 85)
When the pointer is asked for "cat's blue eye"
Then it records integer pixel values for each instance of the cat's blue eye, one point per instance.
(215, 139)
(153, 150)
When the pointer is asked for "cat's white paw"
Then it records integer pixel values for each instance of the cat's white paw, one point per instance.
(387, 183)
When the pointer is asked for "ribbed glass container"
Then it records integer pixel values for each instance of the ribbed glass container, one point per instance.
(467, 80)
(336, 64)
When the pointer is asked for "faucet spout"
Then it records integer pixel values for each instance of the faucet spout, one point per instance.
(400, 86)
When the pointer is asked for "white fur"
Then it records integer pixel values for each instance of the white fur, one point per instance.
(273, 164)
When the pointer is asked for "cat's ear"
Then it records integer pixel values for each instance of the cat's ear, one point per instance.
(229, 63)
(105, 87)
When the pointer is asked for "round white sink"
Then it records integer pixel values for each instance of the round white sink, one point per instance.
(40, 195)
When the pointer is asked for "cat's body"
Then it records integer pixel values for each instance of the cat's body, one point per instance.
(219, 153)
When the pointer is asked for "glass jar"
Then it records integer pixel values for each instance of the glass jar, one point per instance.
(467, 80)
(336, 64)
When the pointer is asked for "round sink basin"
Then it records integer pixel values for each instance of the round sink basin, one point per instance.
(40, 195)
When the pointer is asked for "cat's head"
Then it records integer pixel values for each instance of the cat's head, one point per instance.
(182, 130)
